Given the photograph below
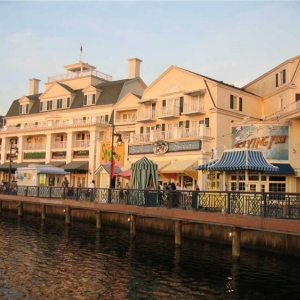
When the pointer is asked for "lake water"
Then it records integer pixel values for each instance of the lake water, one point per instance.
(54, 261)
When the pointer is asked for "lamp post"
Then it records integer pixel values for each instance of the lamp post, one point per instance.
(119, 142)
(12, 147)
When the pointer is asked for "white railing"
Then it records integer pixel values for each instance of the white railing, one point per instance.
(79, 74)
(81, 143)
(60, 145)
(125, 120)
(147, 114)
(194, 107)
(169, 112)
(34, 146)
(14, 146)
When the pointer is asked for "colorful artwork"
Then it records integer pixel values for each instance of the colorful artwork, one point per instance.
(106, 152)
(271, 139)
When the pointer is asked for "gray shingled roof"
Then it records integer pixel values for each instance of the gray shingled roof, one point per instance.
(109, 95)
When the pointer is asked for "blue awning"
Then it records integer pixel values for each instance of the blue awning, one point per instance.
(242, 159)
(283, 169)
(205, 166)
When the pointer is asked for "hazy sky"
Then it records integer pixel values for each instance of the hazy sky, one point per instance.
(230, 41)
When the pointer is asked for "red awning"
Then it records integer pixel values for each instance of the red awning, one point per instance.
(126, 173)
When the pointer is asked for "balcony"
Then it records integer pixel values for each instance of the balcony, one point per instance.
(124, 121)
(60, 145)
(51, 124)
(79, 74)
(81, 143)
(35, 146)
(201, 132)
(169, 113)
(147, 115)
(193, 109)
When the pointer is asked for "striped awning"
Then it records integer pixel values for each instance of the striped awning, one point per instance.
(242, 159)
(205, 166)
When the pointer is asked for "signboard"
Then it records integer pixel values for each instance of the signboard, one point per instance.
(80, 153)
(271, 139)
(59, 154)
(34, 155)
(169, 147)
(106, 152)
(42, 179)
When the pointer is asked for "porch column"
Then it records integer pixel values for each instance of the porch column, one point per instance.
(236, 241)
(98, 220)
(43, 212)
(178, 233)
(132, 220)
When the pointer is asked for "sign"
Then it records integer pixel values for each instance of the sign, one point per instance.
(272, 140)
(35, 155)
(172, 147)
(59, 154)
(42, 179)
(106, 152)
(160, 147)
(80, 153)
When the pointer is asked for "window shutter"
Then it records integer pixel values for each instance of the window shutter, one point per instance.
(297, 97)
(20, 109)
(231, 101)
(106, 118)
(27, 108)
(41, 106)
(163, 127)
(68, 102)
(181, 105)
(85, 100)
(276, 79)
(187, 124)
(240, 104)
(283, 76)
(180, 123)
(207, 122)
(94, 98)
(164, 102)
(157, 126)
(142, 129)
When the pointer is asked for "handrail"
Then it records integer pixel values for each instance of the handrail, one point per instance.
(260, 204)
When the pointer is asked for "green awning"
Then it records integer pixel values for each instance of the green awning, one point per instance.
(74, 166)
(56, 163)
(5, 167)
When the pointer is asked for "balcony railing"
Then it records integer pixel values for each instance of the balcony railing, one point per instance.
(176, 133)
(128, 120)
(60, 145)
(81, 143)
(193, 108)
(35, 146)
(146, 115)
(80, 74)
(168, 112)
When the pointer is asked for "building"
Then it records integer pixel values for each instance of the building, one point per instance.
(180, 121)
(62, 125)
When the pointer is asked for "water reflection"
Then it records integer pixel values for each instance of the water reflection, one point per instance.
(52, 260)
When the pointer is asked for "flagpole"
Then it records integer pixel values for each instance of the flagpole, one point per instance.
(80, 53)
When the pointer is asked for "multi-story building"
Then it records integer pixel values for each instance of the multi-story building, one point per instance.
(62, 125)
(180, 121)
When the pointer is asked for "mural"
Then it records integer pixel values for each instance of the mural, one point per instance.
(106, 152)
(271, 139)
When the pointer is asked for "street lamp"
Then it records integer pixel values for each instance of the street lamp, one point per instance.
(119, 142)
(12, 147)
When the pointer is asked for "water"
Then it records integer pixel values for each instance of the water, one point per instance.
(54, 261)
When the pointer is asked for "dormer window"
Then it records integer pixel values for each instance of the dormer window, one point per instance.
(24, 109)
(89, 99)
(281, 78)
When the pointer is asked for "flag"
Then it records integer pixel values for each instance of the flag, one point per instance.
(81, 48)
(112, 169)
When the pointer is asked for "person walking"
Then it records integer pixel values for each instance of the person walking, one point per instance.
(91, 191)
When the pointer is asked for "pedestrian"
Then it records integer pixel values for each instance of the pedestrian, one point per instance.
(65, 182)
(91, 190)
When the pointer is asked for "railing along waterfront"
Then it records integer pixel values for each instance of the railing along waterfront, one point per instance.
(264, 204)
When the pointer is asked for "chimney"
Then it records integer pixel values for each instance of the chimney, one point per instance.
(34, 86)
(134, 67)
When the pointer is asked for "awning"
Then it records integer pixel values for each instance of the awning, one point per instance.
(205, 166)
(107, 168)
(196, 92)
(283, 169)
(126, 173)
(161, 164)
(5, 167)
(56, 163)
(242, 159)
(182, 166)
(76, 166)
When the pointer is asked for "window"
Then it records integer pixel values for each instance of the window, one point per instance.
(89, 99)
(280, 78)
(24, 109)
(297, 98)
(62, 103)
(46, 105)
(236, 102)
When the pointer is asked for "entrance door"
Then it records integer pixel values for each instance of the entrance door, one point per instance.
(51, 181)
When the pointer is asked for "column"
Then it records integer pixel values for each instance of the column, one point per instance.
(20, 209)
(236, 241)
(92, 154)
(43, 213)
(98, 220)
(49, 147)
(69, 156)
(68, 215)
(178, 233)
(133, 226)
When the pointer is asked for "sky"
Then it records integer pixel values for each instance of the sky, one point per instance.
(233, 41)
